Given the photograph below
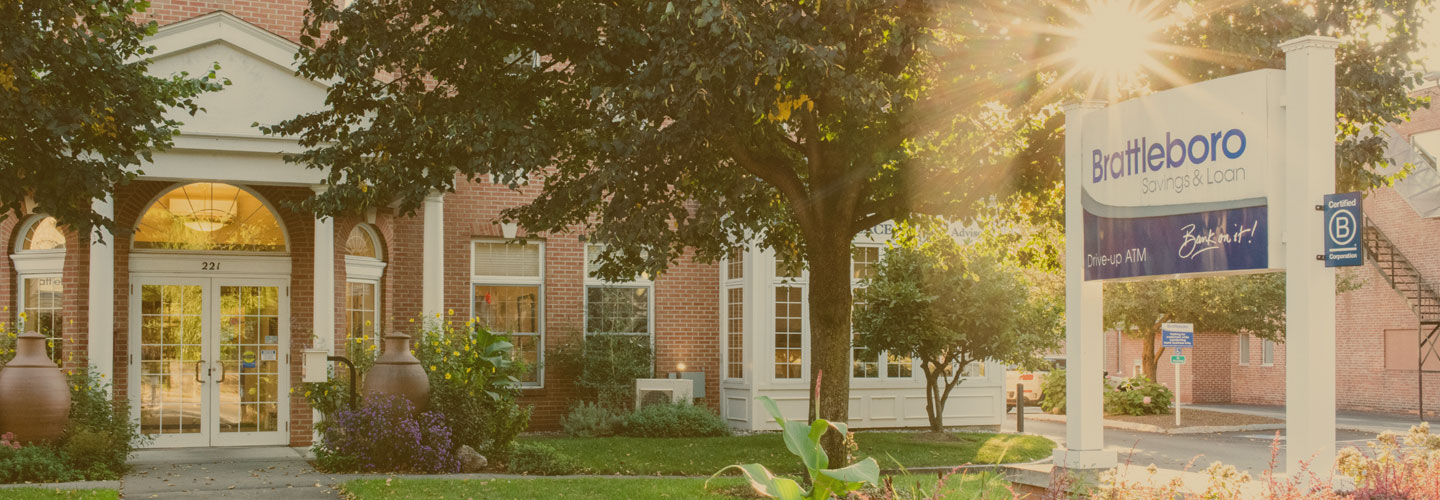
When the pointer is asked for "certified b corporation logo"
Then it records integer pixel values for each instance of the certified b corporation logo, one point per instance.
(1342, 227)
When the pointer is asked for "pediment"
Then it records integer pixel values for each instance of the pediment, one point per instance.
(264, 87)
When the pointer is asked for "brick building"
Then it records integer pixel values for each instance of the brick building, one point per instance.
(1378, 327)
(201, 303)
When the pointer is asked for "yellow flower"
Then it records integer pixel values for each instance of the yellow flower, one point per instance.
(412, 320)
(452, 312)
(432, 368)
(22, 315)
(307, 394)
(447, 376)
(456, 353)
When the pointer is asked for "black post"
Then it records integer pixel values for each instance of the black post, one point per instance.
(353, 381)
(1020, 407)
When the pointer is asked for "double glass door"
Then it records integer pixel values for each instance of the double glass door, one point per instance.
(210, 362)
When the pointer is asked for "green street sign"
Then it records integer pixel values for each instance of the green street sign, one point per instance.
(1177, 360)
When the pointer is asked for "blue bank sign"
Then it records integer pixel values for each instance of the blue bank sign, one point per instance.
(1344, 239)
(1181, 181)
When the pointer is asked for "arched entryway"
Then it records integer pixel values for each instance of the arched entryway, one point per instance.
(209, 316)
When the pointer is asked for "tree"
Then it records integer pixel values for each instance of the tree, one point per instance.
(950, 306)
(78, 111)
(1252, 303)
(660, 128)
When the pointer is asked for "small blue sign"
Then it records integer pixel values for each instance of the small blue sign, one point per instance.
(1344, 235)
(1177, 335)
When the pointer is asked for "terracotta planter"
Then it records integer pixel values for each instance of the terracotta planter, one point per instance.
(34, 396)
(397, 372)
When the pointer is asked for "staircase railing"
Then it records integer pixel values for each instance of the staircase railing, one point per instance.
(1422, 297)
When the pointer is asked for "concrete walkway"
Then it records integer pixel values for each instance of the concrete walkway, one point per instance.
(1344, 419)
(271, 472)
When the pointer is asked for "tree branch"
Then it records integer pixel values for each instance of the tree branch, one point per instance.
(782, 178)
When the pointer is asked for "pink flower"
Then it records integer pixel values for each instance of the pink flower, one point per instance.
(1147, 400)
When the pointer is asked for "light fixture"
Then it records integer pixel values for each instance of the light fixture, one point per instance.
(204, 215)
(680, 367)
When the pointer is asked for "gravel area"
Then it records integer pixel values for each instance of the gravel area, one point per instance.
(1196, 418)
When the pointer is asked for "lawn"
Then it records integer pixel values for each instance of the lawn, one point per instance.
(704, 456)
(42, 493)
(968, 488)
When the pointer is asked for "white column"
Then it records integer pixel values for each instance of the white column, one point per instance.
(432, 294)
(100, 347)
(1084, 331)
(324, 280)
(1309, 285)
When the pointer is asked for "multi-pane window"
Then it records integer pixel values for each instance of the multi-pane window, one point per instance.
(735, 264)
(39, 258)
(789, 332)
(615, 308)
(506, 285)
(735, 333)
(899, 366)
(43, 311)
(864, 363)
(360, 308)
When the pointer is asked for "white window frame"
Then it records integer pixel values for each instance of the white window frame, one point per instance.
(640, 281)
(1244, 349)
(537, 281)
(804, 329)
(728, 284)
(35, 264)
(366, 271)
(1267, 352)
(883, 363)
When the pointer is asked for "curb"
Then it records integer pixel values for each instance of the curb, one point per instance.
(73, 485)
(1155, 429)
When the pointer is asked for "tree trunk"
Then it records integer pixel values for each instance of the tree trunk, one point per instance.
(934, 401)
(1151, 357)
(829, 258)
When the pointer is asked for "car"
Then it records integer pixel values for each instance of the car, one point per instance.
(1032, 381)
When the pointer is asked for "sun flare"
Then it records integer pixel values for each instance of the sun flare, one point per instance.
(1113, 39)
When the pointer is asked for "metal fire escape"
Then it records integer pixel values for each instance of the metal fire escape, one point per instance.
(1423, 298)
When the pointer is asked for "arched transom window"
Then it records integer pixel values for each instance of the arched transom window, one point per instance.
(210, 216)
(42, 233)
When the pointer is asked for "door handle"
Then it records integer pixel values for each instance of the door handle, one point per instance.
(222, 373)
(197, 371)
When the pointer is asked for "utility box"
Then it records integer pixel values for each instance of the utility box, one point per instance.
(697, 377)
(650, 391)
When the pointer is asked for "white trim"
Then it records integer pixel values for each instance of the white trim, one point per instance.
(432, 251)
(224, 27)
(25, 227)
(324, 281)
(220, 264)
(363, 268)
(100, 323)
(38, 261)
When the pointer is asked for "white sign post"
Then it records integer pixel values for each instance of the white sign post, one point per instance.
(1217, 177)
(1178, 336)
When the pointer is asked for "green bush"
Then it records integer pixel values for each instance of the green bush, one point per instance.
(673, 420)
(591, 420)
(100, 436)
(1138, 395)
(35, 464)
(607, 366)
(1052, 391)
(541, 460)
(474, 383)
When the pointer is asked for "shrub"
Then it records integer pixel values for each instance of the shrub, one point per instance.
(385, 435)
(673, 420)
(541, 460)
(474, 385)
(100, 436)
(591, 420)
(1138, 395)
(35, 464)
(1052, 390)
(608, 366)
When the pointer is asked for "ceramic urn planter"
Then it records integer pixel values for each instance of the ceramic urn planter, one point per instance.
(34, 396)
(397, 372)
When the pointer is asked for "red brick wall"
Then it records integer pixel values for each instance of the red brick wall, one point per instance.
(281, 17)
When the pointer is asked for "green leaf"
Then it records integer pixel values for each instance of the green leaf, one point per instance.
(766, 483)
